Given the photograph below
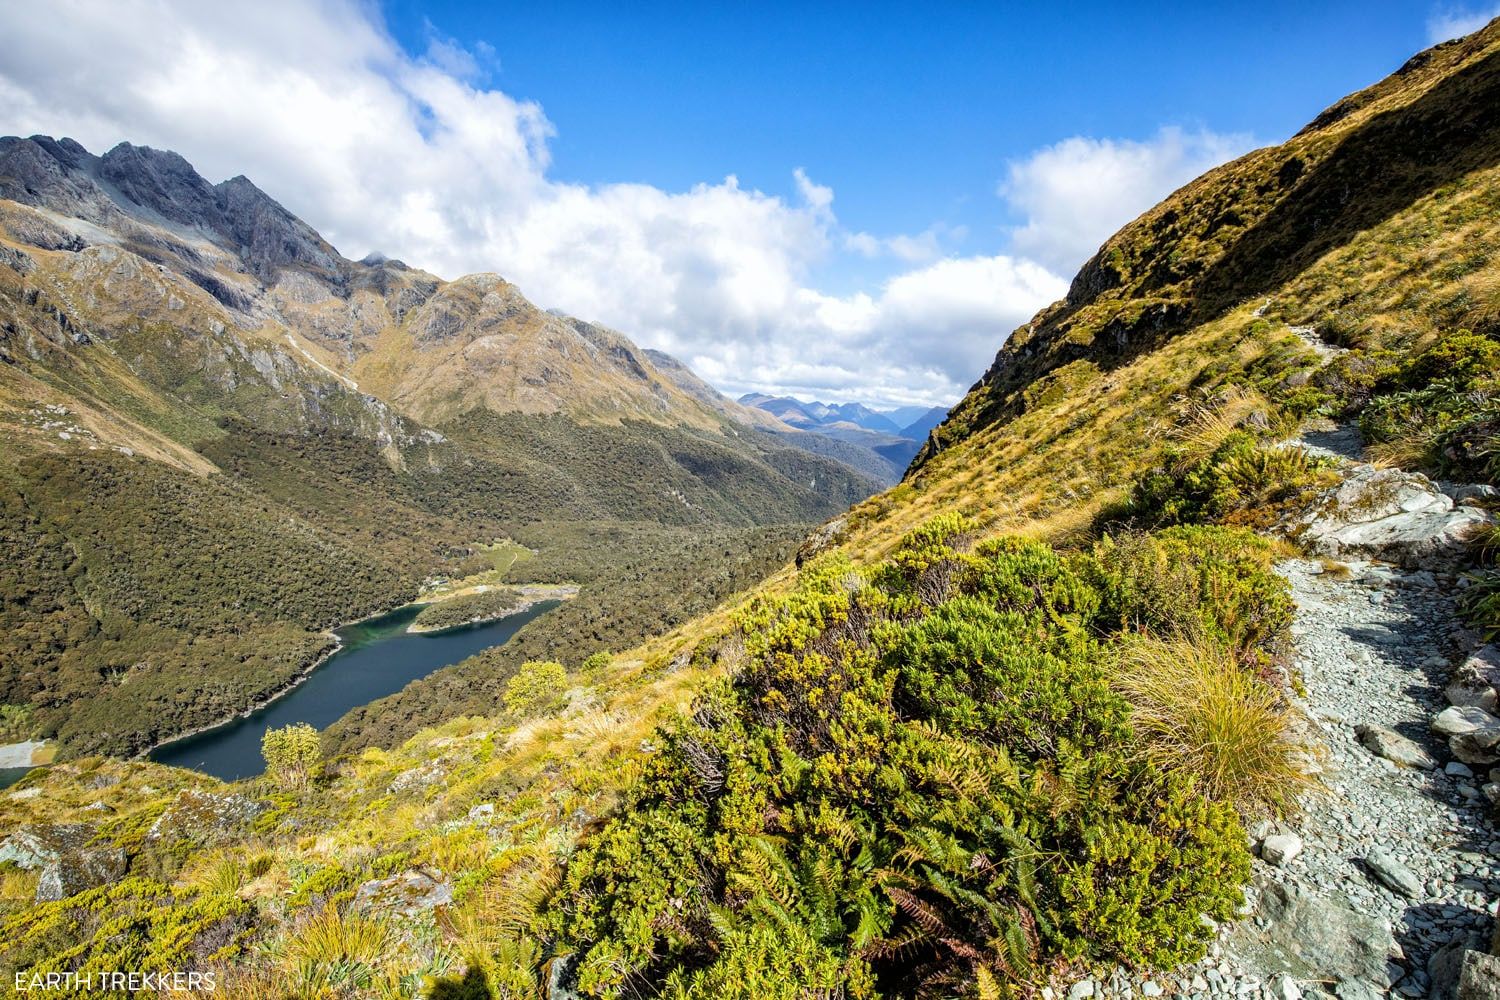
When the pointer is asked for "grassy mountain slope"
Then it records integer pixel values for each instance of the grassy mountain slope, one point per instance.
(907, 769)
(223, 439)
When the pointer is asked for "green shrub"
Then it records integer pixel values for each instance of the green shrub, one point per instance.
(1461, 357)
(1480, 601)
(921, 782)
(1197, 581)
(293, 754)
(1241, 482)
(596, 661)
(536, 689)
(1441, 410)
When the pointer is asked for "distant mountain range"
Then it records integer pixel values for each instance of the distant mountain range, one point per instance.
(895, 435)
(220, 437)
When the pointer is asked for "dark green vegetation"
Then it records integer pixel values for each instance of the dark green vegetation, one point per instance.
(216, 452)
(467, 609)
(140, 600)
(919, 782)
(637, 580)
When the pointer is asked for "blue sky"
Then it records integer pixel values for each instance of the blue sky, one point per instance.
(909, 111)
(850, 202)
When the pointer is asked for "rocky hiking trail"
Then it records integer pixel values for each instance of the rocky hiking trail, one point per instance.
(1385, 883)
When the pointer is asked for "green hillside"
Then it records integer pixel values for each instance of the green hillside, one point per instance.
(990, 731)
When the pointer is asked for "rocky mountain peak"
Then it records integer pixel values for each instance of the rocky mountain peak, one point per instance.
(161, 181)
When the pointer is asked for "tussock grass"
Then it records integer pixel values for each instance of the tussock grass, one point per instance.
(335, 939)
(1197, 710)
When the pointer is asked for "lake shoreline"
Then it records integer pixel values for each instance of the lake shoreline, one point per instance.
(334, 647)
(531, 595)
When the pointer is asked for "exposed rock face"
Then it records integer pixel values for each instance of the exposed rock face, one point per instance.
(1480, 978)
(69, 862)
(404, 895)
(206, 817)
(1474, 684)
(76, 871)
(1315, 938)
(35, 846)
(1401, 517)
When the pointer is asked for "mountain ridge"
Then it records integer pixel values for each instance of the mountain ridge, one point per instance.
(178, 349)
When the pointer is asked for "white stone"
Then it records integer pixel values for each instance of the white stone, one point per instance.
(1279, 849)
(1463, 719)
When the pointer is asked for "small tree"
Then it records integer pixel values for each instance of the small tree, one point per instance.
(293, 754)
(596, 662)
(536, 688)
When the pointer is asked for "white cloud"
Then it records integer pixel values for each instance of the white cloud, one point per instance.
(1076, 193)
(413, 156)
(1449, 22)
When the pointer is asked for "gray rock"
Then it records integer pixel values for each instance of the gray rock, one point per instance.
(1081, 990)
(1458, 719)
(1454, 769)
(1446, 963)
(1310, 937)
(1393, 874)
(37, 846)
(1477, 747)
(1464, 492)
(1393, 746)
(1283, 987)
(1357, 989)
(206, 817)
(560, 979)
(1479, 978)
(1476, 682)
(1151, 989)
(417, 778)
(1389, 514)
(69, 860)
(1279, 849)
(76, 871)
(405, 895)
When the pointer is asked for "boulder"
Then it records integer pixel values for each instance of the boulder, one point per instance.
(1457, 719)
(417, 778)
(1393, 874)
(76, 871)
(70, 863)
(1445, 965)
(206, 817)
(1479, 978)
(37, 846)
(1476, 682)
(1393, 746)
(1389, 514)
(1477, 747)
(405, 895)
(1313, 938)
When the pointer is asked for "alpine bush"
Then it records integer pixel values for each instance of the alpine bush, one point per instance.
(921, 781)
